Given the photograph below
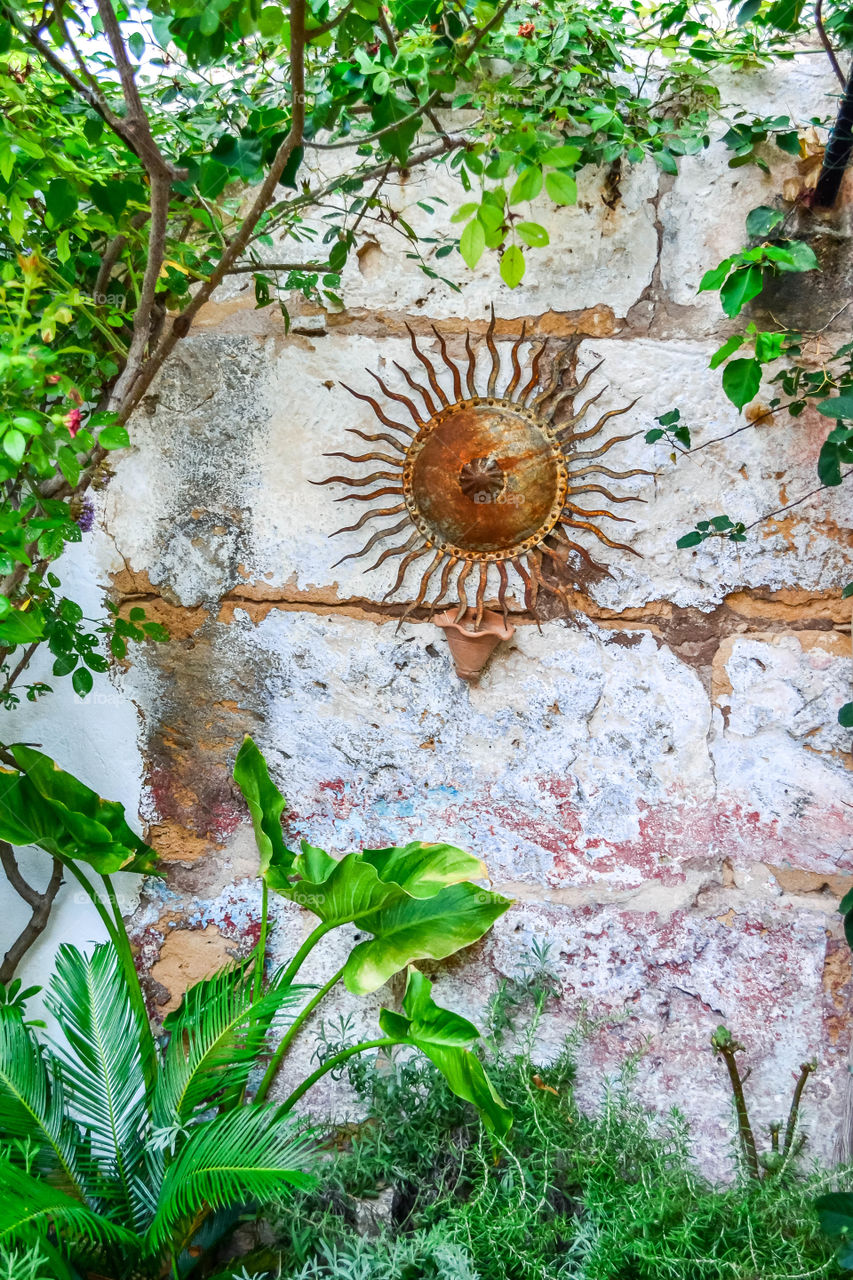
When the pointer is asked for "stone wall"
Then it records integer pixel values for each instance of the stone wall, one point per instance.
(655, 775)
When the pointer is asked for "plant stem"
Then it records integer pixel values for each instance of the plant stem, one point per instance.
(290, 1035)
(806, 1068)
(305, 950)
(330, 1065)
(134, 987)
(260, 958)
(728, 1048)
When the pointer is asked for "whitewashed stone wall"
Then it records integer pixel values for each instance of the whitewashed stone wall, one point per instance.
(657, 778)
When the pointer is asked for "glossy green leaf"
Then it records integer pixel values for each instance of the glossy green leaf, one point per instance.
(532, 234)
(561, 187)
(472, 243)
(266, 805)
(838, 407)
(446, 1038)
(512, 266)
(741, 380)
(740, 288)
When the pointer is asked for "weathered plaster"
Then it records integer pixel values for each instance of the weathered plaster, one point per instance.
(656, 776)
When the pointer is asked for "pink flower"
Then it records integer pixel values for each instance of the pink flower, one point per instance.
(73, 422)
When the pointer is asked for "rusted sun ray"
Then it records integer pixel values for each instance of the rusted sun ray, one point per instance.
(460, 587)
(493, 352)
(428, 572)
(372, 541)
(378, 435)
(596, 453)
(605, 417)
(380, 413)
(481, 594)
(604, 515)
(571, 392)
(559, 533)
(472, 365)
(404, 564)
(614, 475)
(442, 586)
(554, 381)
(516, 366)
(599, 488)
(370, 515)
(566, 427)
(502, 589)
(366, 457)
(529, 589)
(533, 383)
(429, 403)
(377, 493)
(361, 481)
(396, 551)
(581, 524)
(535, 562)
(457, 381)
(430, 371)
(401, 399)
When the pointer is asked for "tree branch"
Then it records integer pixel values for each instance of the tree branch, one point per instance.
(825, 41)
(40, 904)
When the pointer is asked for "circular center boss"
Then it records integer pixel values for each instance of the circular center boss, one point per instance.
(485, 480)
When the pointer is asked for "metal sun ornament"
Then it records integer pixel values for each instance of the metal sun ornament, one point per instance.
(484, 479)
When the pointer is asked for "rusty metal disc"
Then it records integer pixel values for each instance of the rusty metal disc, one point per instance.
(485, 479)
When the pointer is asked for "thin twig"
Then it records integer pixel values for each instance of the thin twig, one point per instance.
(797, 501)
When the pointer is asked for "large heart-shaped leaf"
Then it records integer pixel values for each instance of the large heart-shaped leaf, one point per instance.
(266, 804)
(46, 806)
(446, 1037)
(415, 901)
(410, 929)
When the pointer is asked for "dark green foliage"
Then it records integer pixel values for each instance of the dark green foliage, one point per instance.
(612, 1196)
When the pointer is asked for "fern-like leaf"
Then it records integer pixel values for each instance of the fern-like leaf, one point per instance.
(28, 1207)
(249, 1154)
(216, 1036)
(32, 1102)
(103, 1073)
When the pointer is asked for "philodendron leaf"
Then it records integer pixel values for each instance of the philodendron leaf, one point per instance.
(266, 804)
(419, 929)
(446, 1038)
(46, 806)
(416, 901)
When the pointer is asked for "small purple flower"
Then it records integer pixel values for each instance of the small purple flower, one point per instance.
(86, 517)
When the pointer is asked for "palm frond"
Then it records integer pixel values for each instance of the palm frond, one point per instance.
(216, 1036)
(29, 1206)
(249, 1154)
(103, 1072)
(32, 1102)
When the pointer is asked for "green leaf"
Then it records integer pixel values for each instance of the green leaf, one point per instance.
(22, 626)
(60, 200)
(249, 1154)
(714, 278)
(445, 1038)
(803, 256)
(102, 1064)
(472, 243)
(29, 1206)
(270, 20)
(828, 467)
(266, 805)
(845, 715)
(14, 444)
(114, 437)
(533, 234)
(32, 1101)
(82, 681)
(419, 929)
(561, 157)
(512, 266)
(215, 1037)
(784, 15)
(838, 407)
(44, 805)
(741, 380)
(728, 348)
(740, 287)
(527, 185)
(561, 187)
(761, 221)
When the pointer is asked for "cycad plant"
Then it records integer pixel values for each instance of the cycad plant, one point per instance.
(124, 1156)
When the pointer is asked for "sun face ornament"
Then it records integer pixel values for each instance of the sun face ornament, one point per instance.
(484, 479)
